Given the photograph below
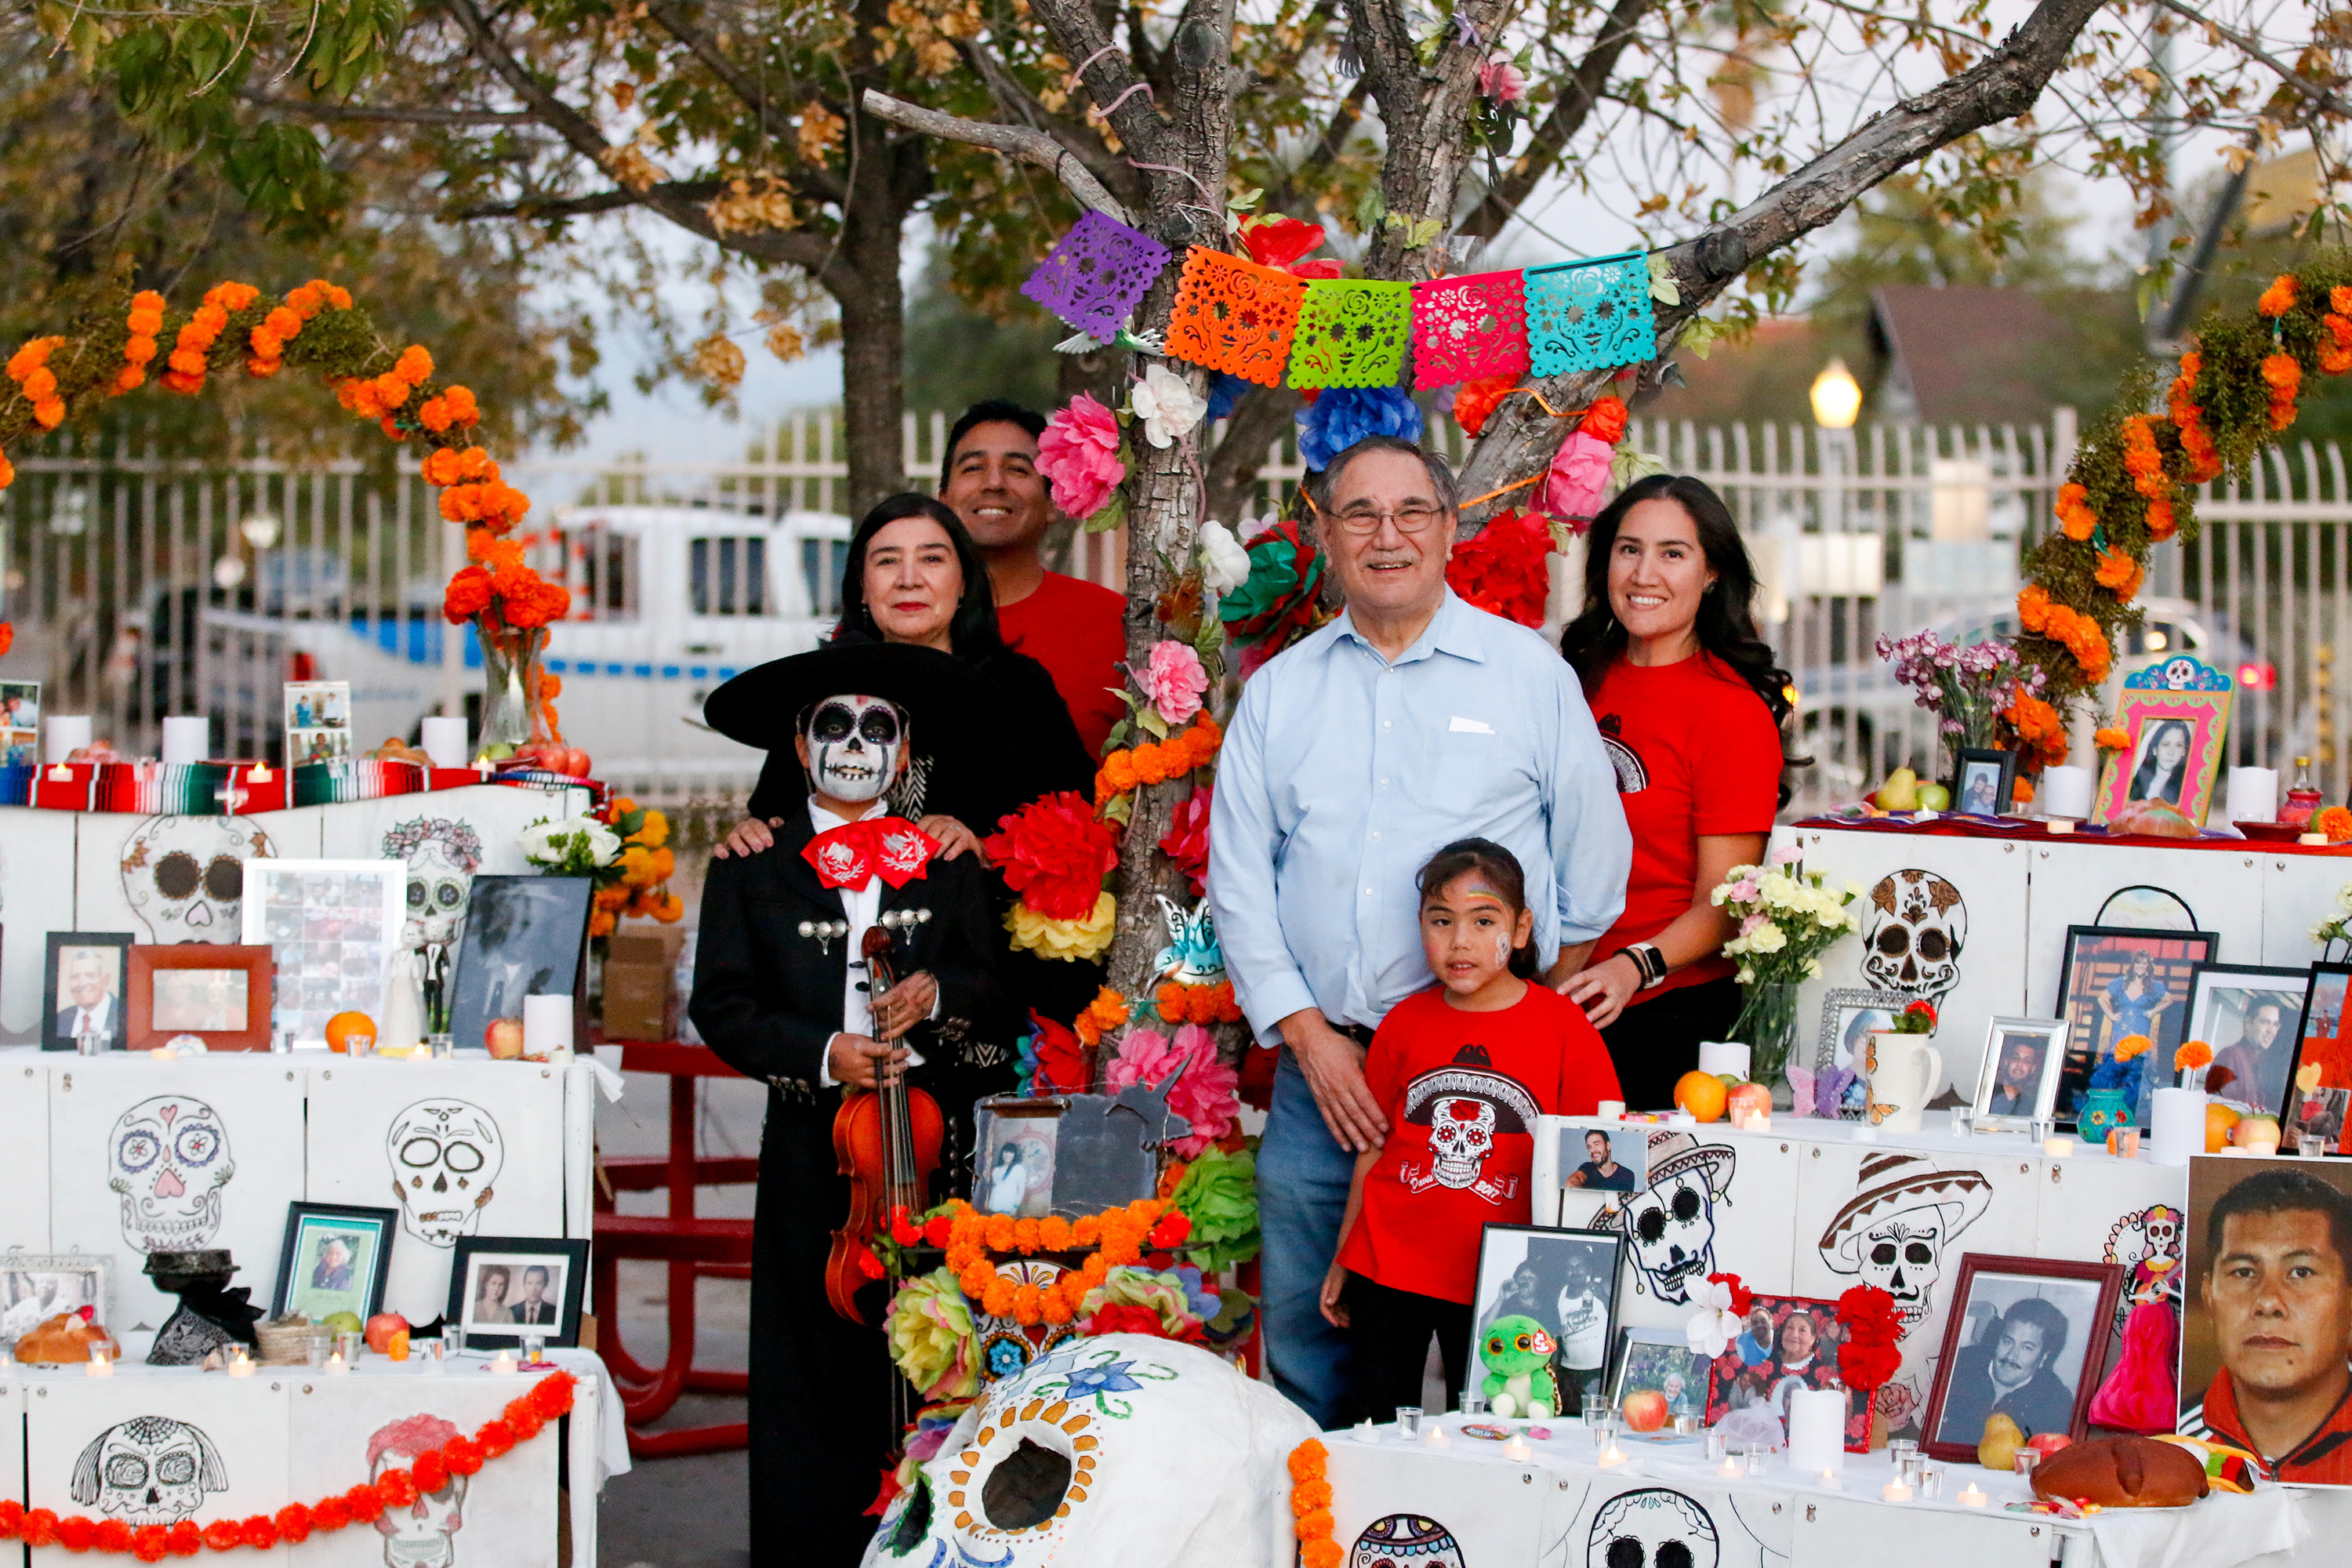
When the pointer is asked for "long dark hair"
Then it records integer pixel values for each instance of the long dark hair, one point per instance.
(1502, 870)
(972, 632)
(1725, 623)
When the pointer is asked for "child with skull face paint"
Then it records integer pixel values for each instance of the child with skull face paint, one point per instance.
(780, 994)
(1462, 1069)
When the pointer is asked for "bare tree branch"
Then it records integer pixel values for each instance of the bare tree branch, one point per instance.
(305, 109)
(1107, 76)
(1014, 141)
(706, 49)
(1580, 91)
(1015, 101)
(2319, 96)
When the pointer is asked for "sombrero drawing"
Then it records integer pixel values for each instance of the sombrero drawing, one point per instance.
(1672, 1153)
(1891, 1184)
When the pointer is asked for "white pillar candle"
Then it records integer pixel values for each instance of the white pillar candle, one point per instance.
(445, 741)
(2064, 792)
(187, 740)
(1611, 1110)
(546, 1025)
(63, 733)
(1722, 1056)
(1817, 1430)
(2178, 1127)
(2252, 794)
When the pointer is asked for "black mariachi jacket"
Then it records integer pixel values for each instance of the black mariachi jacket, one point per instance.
(768, 999)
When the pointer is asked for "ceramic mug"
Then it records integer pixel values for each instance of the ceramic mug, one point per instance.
(1904, 1072)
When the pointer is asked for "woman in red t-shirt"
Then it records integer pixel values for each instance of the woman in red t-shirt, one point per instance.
(1690, 704)
(1462, 1069)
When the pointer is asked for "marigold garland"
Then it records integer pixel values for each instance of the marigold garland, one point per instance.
(523, 1419)
(1310, 1505)
(1106, 1011)
(1197, 1004)
(1117, 1235)
(1157, 762)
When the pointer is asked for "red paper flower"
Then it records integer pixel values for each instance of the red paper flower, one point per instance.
(939, 1229)
(1061, 1067)
(1503, 569)
(1279, 241)
(1867, 1367)
(1186, 842)
(1054, 854)
(1743, 1299)
(1125, 1318)
(1605, 420)
(1870, 1319)
(397, 1489)
(12, 1518)
(39, 1528)
(1174, 1227)
(332, 1513)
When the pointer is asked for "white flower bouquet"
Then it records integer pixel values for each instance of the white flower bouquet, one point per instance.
(577, 848)
(1787, 918)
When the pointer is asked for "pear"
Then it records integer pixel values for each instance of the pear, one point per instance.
(1900, 792)
(2002, 1439)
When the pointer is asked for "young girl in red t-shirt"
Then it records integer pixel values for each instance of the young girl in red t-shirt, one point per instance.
(1462, 1069)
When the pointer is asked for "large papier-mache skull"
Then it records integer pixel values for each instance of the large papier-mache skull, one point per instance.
(445, 1157)
(1652, 1527)
(183, 877)
(149, 1469)
(1896, 1229)
(1671, 1222)
(1127, 1449)
(423, 1533)
(168, 1159)
(1913, 932)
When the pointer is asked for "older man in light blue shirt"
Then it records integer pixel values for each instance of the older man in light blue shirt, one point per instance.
(1409, 722)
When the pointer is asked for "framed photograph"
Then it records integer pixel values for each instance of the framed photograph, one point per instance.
(20, 722)
(1016, 1167)
(1847, 1018)
(1601, 1165)
(84, 979)
(317, 721)
(1564, 1280)
(2266, 1301)
(1660, 1361)
(1984, 782)
(37, 1286)
(2027, 1338)
(2176, 714)
(502, 1287)
(524, 936)
(2252, 1017)
(219, 993)
(334, 1260)
(2314, 1115)
(1791, 1342)
(333, 927)
(2019, 1082)
(2116, 983)
(2321, 1039)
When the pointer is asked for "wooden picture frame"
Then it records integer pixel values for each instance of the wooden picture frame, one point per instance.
(2178, 697)
(148, 962)
(311, 1228)
(57, 996)
(1969, 770)
(513, 1256)
(2088, 1316)
(2003, 1037)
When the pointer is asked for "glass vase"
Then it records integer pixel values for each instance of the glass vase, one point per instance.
(512, 714)
(1767, 1024)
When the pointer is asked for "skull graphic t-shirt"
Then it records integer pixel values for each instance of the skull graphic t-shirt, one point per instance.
(1462, 1092)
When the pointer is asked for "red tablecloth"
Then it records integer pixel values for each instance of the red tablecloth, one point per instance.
(1949, 825)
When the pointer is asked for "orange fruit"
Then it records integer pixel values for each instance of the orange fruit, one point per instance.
(346, 1029)
(2219, 1120)
(1701, 1094)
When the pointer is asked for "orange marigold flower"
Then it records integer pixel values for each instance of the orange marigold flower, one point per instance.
(2334, 358)
(441, 467)
(1307, 1460)
(2111, 739)
(139, 351)
(2079, 521)
(416, 365)
(187, 362)
(2282, 373)
(468, 594)
(2279, 297)
(2119, 573)
(2161, 523)
(433, 414)
(42, 382)
(2033, 607)
(130, 379)
(462, 406)
(391, 390)
(2191, 1055)
(286, 323)
(257, 367)
(209, 318)
(50, 412)
(2132, 1046)
(2335, 822)
(227, 297)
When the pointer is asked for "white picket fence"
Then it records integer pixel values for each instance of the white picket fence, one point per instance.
(139, 585)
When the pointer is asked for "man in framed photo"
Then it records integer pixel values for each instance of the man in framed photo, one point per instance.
(534, 1307)
(1601, 1169)
(2020, 1077)
(2251, 1068)
(88, 979)
(2007, 1371)
(2277, 1291)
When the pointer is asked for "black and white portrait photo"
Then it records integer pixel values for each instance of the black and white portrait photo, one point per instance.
(525, 936)
(2160, 763)
(2027, 1339)
(1564, 1280)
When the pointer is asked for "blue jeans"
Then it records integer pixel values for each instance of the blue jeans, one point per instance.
(1302, 1196)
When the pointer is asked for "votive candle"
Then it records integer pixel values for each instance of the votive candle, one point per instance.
(2058, 1148)
(1729, 1470)
(1610, 1457)
(336, 1363)
(101, 1364)
(1516, 1448)
(1973, 1496)
(240, 1364)
(504, 1362)
(1895, 1491)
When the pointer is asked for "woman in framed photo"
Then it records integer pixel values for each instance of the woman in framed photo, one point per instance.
(2132, 1003)
(2163, 768)
(490, 1291)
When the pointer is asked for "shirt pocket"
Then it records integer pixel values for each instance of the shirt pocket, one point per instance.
(1465, 772)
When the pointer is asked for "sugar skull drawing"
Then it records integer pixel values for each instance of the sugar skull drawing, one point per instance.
(1467, 1105)
(446, 1156)
(425, 1533)
(1651, 1527)
(1913, 926)
(1898, 1229)
(442, 857)
(1671, 1224)
(183, 877)
(149, 1469)
(1006, 1346)
(1401, 1537)
(168, 1159)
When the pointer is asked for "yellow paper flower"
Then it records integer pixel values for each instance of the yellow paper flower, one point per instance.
(931, 1339)
(1073, 940)
(2131, 1046)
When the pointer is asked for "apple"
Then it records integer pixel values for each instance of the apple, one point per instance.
(342, 1322)
(382, 1327)
(504, 1036)
(2253, 1130)
(2048, 1443)
(1748, 1099)
(1645, 1410)
(1899, 792)
(1935, 797)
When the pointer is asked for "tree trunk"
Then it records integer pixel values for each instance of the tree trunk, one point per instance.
(1258, 421)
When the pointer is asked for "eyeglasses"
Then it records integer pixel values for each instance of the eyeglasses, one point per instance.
(1408, 519)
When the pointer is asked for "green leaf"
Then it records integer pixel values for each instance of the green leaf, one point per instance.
(1246, 200)
(1663, 287)
(1120, 809)
(1120, 735)
(1370, 208)
(1149, 719)
(1699, 335)
(1113, 513)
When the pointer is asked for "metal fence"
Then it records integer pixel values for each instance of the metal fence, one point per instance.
(141, 585)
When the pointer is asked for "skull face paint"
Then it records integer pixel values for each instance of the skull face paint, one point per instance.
(854, 744)
(148, 1471)
(422, 1534)
(183, 877)
(1654, 1527)
(168, 1159)
(1912, 934)
(446, 1156)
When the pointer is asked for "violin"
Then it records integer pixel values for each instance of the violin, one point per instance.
(888, 1141)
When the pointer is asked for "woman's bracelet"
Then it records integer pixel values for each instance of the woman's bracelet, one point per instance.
(1648, 962)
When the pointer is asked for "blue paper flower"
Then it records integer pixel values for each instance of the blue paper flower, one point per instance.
(1344, 416)
(1225, 389)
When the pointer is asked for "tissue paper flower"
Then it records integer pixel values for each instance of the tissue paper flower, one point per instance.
(1186, 842)
(1208, 1096)
(1579, 474)
(930, 1329)
(1173, 680)
(1145, 1057)
(1218, 1191)
(1502, 82)
(1716, 1325)
(1088, 938)
(1055, 853)
(1344, 416)
(1225, 564)
(1078, 454)
(1167, 406)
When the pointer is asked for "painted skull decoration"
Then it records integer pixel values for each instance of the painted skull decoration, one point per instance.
(853, 743)
(446, 1156)
(1406, 1538)
(1894, 1231)
(149, 1469)
(1125, 1448)
(1913, 932)
(1461, 1136)
(168, 1160)
(1005, 1344)
(183, 877)
(424, 1534)
(1672, 1222)
(1651, 1527)
(442, 857)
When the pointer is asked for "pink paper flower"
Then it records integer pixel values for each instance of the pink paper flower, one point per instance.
(1078, 454)
(1173, 679)
(1145, 1057)
(1208, 1095)
(1579, 474)
(1501, 80)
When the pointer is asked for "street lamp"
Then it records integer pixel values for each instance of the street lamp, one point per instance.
(1837, 397)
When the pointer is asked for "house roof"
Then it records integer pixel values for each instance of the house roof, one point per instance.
(1964, 352)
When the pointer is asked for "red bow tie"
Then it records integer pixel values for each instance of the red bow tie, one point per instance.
(848, 855)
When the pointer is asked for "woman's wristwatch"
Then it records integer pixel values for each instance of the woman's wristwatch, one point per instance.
(1648, 961)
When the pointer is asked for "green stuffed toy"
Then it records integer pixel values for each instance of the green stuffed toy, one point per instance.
(1520, 1382)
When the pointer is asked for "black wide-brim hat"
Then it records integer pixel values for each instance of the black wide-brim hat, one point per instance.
(947, 702)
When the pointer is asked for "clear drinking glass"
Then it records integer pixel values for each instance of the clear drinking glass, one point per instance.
(1472, 1402)
(316, 1347)
(534, 1349)
(453, 1339)
(1930, 1483)
(1408, 1420)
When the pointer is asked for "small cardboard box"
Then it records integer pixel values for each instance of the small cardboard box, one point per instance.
(640, 986)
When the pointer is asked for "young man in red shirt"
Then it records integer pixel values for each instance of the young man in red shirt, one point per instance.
(1072, 627)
